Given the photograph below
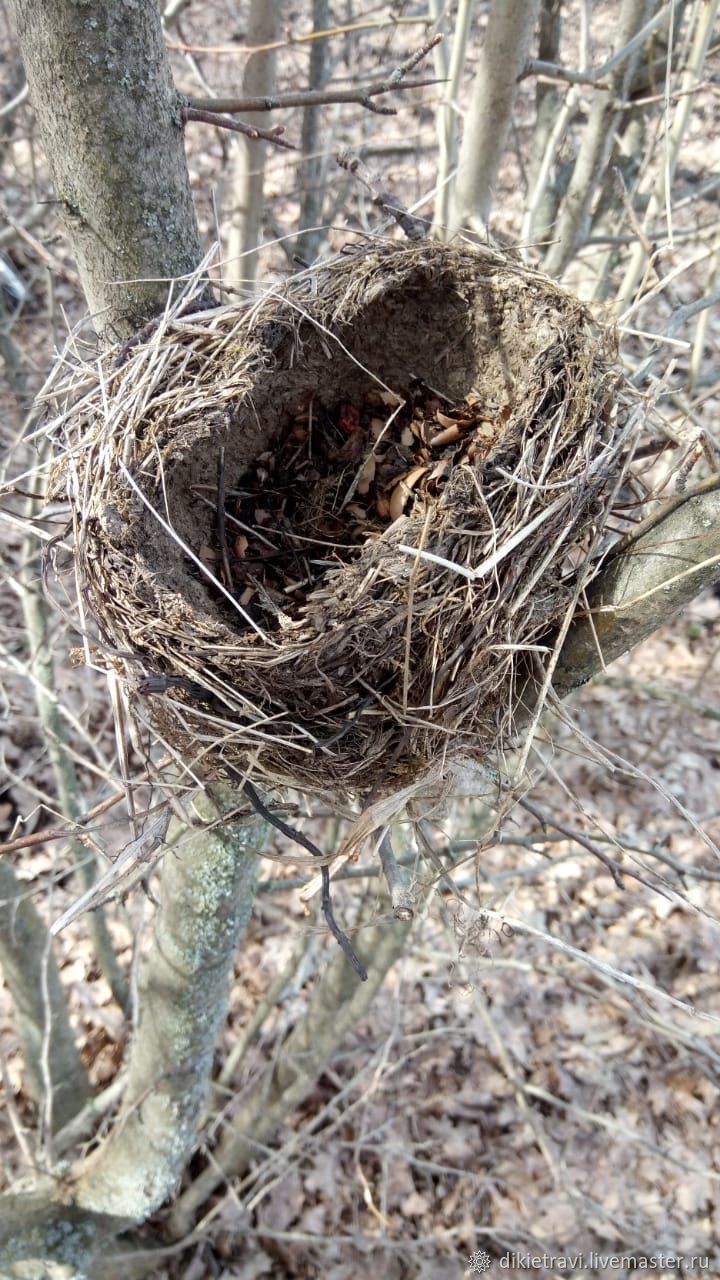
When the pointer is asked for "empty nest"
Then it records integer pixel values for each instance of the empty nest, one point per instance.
(322, 534)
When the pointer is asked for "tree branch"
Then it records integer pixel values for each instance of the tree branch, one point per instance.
(313, 167)
(597, 140)
(321, 97)
(30, 971)
(310, 98)
(238, 126)
(643, 588)
(414, 228)
(337, 1004)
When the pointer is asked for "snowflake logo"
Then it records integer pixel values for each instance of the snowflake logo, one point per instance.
(479, 1261)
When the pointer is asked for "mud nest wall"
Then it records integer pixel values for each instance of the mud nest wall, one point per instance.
(324, 530)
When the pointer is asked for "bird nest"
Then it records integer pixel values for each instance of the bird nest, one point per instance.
(323, 532)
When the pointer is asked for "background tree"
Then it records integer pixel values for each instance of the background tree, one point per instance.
(111, 122)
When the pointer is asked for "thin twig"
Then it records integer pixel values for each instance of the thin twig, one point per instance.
(613, 867)
(306, 843)
(414, 228)
(13, 103)
(553, 71)
(239, 126)
(240, 50)
(46, 835)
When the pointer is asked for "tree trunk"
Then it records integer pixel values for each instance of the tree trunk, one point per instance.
(313, 168)
(110, 120)
(250, 154)
(507, 42)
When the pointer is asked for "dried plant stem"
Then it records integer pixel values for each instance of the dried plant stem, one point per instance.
(400, 896)
(298, 838)
(415, 228)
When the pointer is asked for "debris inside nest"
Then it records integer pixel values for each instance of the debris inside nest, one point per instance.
(337, 477)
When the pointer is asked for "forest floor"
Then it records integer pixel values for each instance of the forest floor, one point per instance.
(547, 1086)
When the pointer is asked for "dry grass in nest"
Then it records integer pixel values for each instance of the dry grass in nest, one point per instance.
(397, 655)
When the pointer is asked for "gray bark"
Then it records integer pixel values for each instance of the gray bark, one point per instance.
(643, 589)
(109, 116)
(548, 101)
(206, 897)
(207, 891)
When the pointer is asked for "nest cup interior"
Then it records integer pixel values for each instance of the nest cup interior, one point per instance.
(427, 330)
(384, 664)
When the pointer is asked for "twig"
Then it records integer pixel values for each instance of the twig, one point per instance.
(692, 73)
(132, 864)
(46, 835)
(616, 871)
(239, 126)
(313, 167)
(595, 149)
(299, 838)
(310, 98)
(553, 71)
(450, 67)
(400, 897)
(414, 228)
(239, 50)
(8, 107)
(317, 97)
(597, 75)
(658, 516)
(680, 317)
(48, 259)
